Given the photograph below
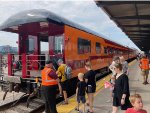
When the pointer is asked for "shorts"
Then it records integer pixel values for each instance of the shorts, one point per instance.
(81, 98)
(91, 89)
(64, 85)
(116, 101)
(144, 72)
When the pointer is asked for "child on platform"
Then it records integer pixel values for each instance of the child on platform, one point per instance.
(136, 101)
(80, 91)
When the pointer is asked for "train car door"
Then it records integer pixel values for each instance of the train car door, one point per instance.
(43, 49)
(33, 52)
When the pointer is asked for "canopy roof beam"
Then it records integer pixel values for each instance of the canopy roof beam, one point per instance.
(141, 25)
(145, 17)
(110, 3)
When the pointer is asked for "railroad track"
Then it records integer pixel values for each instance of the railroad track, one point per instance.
(20, 105)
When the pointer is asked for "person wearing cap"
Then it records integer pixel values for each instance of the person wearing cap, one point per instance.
(50, 83)
(63, 81)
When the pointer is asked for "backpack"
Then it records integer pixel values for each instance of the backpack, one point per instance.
(68, 72)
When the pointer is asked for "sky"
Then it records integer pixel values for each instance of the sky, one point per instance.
(82, 12)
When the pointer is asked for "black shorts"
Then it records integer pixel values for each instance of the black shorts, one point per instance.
(64, 85)
(116, 101)
(91, 89)
(81, 98)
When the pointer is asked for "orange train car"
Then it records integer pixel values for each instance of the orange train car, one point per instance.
(63, 39)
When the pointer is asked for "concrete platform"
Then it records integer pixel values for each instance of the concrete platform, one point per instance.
(136, 86)
(102, 95)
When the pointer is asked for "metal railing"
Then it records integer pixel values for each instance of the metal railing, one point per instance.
(24, 65)
(35, 63)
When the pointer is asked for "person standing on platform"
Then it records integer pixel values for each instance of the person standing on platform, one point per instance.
(136, 101)
(80, 91)
(121, 90)
(144, 65)
(63, 80)
(90, 79)
(50, 83)
(116, 59)
(125, 68)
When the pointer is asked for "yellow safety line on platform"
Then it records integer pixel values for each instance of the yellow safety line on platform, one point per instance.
(72, 101)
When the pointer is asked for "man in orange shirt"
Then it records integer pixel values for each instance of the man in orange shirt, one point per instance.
(144, 65)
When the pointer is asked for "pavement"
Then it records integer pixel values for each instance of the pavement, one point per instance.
(136, 86)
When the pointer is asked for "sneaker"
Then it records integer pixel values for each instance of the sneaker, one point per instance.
(88, 111)
(146, 82)
(77, 109)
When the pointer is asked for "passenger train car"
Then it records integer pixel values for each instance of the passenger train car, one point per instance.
(63, 38)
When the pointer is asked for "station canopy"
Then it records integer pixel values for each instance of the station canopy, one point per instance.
(133, 17)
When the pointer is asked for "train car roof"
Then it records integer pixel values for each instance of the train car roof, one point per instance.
(133, 17)
(42, 15)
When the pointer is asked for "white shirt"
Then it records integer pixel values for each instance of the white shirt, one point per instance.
(118, 75)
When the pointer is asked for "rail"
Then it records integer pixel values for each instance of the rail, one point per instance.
(35, 63)
(24, 66)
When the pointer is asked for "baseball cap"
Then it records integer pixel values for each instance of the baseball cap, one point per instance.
(49, 62)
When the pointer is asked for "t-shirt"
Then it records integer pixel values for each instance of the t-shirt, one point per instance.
(90, 75)
(144, 63)
(81, 88)
(61, 72)
(132, 110)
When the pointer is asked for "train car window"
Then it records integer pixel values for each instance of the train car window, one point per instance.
(44, 47)
(30, 44)
(105, 50)
(121, 52)
(117, 51)
(98, 47)
(84, 46)
(59, 44)
(114, 52)
(110, 51)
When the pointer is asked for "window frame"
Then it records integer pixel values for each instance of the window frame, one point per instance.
(83, 45)
(98, 47)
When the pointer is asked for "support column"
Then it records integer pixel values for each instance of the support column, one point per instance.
(25, 73)
(10, 72)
